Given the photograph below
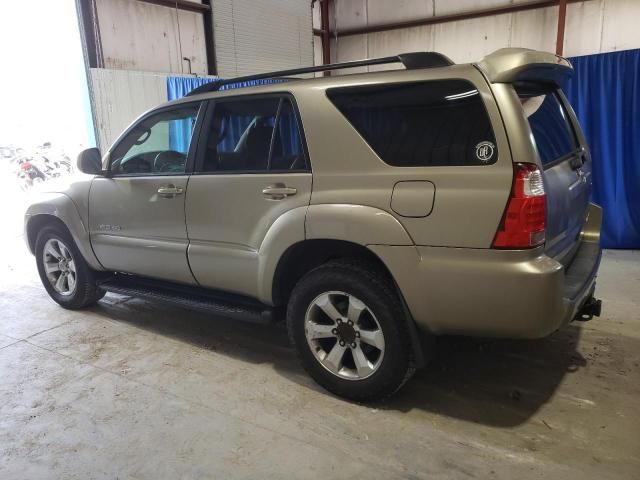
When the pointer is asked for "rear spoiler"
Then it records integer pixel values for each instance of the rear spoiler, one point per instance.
(511, 65)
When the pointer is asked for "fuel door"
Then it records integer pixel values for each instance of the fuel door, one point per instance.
(413, 199)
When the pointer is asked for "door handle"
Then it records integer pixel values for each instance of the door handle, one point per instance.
(170, 191)
(278, 192)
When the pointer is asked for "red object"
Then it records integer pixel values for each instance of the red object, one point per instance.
(523, 222)
(25, 166)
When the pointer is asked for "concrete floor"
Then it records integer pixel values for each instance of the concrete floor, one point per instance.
(131, 389)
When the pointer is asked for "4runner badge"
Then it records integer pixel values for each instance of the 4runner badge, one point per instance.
(484, 151)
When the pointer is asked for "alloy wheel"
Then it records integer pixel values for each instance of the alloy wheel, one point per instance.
(344, 335)
(59, 266)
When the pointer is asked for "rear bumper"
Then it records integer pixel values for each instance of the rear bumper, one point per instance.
(495, 293)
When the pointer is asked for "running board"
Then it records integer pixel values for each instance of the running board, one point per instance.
(190, 297)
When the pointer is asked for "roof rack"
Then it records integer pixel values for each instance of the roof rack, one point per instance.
(411, 60)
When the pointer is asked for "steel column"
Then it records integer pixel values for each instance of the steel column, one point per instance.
(562, 19)
(324, 27)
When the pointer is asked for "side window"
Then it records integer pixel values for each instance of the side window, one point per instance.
(433, 123)
(158, 145)
(550, 125)
(252, 135)
(287, 152)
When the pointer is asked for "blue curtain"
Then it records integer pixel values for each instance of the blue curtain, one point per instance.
(605, 93)
(180, 130)
(178, 87)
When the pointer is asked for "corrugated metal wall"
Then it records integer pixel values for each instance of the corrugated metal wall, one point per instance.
(255, 36)
(592, 26)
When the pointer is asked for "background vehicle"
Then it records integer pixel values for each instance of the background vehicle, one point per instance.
(440, 199)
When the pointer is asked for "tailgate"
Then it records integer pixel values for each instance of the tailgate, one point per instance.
(566, 165)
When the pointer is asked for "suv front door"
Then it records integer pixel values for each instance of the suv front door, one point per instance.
(136, 212)
(252, 168)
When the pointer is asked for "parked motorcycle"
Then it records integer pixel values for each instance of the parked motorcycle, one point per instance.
(40, 164)
(29, 175)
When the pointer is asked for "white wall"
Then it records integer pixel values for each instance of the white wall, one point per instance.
(592, 26)
(256, 36)
(119, 97)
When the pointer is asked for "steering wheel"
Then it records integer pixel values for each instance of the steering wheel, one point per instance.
(167, 160)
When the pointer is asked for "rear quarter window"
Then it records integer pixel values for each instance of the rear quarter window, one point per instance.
(433, 123)
(550, 125)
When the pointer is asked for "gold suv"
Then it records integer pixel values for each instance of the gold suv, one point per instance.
(374, 209)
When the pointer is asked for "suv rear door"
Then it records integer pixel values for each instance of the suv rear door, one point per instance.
(251, 169)
(565, 162)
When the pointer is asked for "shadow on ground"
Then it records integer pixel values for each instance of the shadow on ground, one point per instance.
(493, 382)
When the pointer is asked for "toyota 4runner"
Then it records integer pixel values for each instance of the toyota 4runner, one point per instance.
(372, 209)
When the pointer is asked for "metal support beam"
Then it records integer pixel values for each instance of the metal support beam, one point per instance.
(90, 30)
(324, 27)
(562, 19)
(209, 40)
(518, 7)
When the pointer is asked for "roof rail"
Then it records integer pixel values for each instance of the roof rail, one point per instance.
(411, 60)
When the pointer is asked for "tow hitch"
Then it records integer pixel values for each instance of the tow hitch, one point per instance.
(589, 309)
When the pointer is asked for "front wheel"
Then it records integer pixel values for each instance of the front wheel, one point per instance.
(349, 330)
(63, 271)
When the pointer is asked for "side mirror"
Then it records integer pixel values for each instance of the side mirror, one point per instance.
(90, 161)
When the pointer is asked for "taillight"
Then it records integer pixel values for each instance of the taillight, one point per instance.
(523, 222)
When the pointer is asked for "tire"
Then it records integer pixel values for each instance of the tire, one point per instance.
(346, 283)
(84, 291)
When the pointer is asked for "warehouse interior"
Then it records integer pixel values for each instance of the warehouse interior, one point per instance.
(132, 388)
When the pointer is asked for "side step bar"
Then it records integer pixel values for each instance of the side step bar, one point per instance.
(190, 297)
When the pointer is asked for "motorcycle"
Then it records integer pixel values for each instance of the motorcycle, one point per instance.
(39, 165)
(29, 175)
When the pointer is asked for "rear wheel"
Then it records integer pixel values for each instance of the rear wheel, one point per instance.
(349, 330)
(63, 271)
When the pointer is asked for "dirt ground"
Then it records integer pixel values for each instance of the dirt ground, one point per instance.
(132, 389)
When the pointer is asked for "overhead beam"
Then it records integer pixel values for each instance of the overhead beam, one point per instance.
(181, 5)
(454, 17)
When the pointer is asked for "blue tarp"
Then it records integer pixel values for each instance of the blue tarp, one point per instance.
(178, 87)
(605, 93)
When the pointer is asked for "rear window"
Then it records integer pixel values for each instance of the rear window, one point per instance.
(550, 126)
(434, 123)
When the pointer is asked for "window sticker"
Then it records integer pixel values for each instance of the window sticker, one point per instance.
(485, 151)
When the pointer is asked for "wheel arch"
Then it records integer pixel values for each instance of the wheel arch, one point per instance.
(36, 223)
(61, 211)
(304, 256)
